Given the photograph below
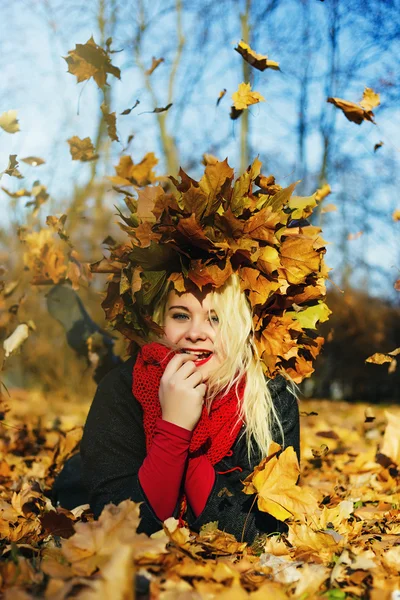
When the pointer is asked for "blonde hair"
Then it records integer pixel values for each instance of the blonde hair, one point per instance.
(235, 346)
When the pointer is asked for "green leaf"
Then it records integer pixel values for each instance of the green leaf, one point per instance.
(310, 316)
(153, 282)
(157, 257)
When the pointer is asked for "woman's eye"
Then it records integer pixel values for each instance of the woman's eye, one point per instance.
(180, 316)
(215, 319)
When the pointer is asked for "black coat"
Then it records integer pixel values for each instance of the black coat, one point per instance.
(113, 448)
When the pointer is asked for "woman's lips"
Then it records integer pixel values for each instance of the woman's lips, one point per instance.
(202, 361)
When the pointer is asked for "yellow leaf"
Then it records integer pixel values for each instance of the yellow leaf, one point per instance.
(275, 481)
(310, 316)
(370, 99)
(258, 61)
(9, 121)
(323, 192)
(396, 215)
(82, 150)
(90, 60)
(245, 97)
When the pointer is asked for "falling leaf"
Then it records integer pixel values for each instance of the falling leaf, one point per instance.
(396, 215)
(16, 339)
(90, 60)
(379, 358)
(378, 145)
(162, 109)
(82, 149)
(258, 61)
(127, 112)
(111, 120)
(34, 161)
(354, 236)
(311, 315)
(235, 113)
(397, 285)
(327, 208)
(154, 64)
(357, 113)
(9, 121)
(275, 481)
(129, 173)
(370, 99)
(221, 95)
(323, 192)
(12, 169)
(245, 97)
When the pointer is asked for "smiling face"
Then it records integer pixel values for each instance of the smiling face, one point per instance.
(190, 323)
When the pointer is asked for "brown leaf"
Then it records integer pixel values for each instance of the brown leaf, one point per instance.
(353, 112)
(215, 177)
(258, 61)
(221, 95)
(258, 286)
(140, 174)
(111, 121)
(90, 60)
(12, 169)
(261, 226)
(82, 150)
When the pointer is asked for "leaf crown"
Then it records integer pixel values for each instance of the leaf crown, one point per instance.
(200, 233)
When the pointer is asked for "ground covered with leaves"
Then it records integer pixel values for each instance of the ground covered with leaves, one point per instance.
(343, 538)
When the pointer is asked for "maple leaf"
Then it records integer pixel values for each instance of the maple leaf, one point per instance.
(299, 258)
(259, 287)
(396, 215)
(44, 257)
(323, 192)
(154, 64)
(111, 121)
(9, 121)
(215, 178)
(357, 113)
(202, 275)
(311, 315)
(261, 226)
(379, 358)
(275, 482)
(313, 543)
(90, 60)
(245, 97)
(129, 173)
(82, 149)
(258, 61)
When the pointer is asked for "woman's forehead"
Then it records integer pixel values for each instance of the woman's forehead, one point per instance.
(190, 300)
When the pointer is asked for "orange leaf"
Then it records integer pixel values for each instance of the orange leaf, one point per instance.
(259, 287)
(82, 150)
(90, 60)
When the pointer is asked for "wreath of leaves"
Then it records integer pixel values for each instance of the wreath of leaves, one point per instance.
(200, 233)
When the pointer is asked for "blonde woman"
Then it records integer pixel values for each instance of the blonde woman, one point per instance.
(185, 420)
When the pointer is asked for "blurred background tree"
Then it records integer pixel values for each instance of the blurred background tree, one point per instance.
(325, 49)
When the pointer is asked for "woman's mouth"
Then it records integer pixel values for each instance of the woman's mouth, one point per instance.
(202, 357)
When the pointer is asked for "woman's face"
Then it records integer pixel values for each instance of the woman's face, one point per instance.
(190, 322)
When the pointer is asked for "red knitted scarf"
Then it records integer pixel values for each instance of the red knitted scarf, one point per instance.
(214, 433)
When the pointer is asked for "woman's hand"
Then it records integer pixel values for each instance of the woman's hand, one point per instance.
(182, 392)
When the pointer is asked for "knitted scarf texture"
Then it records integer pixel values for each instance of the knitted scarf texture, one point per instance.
(214, 433)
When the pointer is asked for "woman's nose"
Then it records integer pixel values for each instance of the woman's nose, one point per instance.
(196, 332)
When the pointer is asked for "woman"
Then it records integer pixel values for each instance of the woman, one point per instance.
(184, 421)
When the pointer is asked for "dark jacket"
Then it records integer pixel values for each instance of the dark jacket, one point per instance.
(113, 448)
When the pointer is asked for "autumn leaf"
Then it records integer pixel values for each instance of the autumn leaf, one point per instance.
(34, 161)
(12, 167)
(396, 215)
(161, 109)
(322, 192)
(221, 95)
(154, 64)
(9, 121)
(43, 257)
(327, 208)
(127, 111)
(299, 258)
(212, 183)
(111, 121)
(82, 149)
(258, 61)
(379, 358)
(378, 145)
(129, 173)
(275, 482)
(310, 316)
(397, 285)
(357, 113)
(245, 97)
(259, 287)
(90, 60)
